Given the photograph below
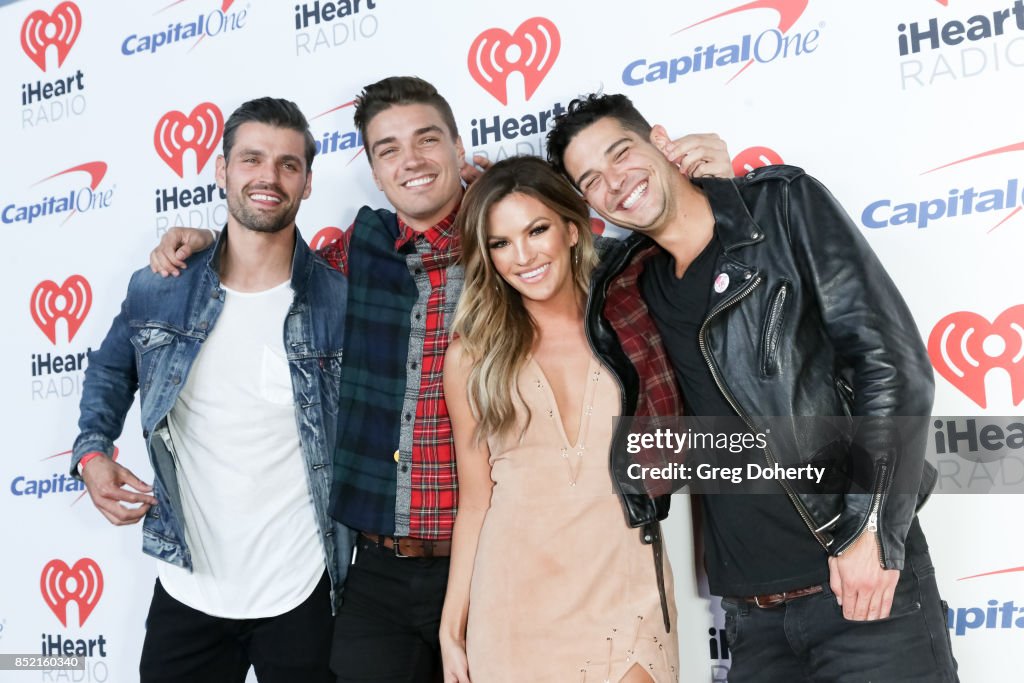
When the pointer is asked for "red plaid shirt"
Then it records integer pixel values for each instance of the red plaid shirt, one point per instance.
(434, 483)
(628, 315)
(638, 335)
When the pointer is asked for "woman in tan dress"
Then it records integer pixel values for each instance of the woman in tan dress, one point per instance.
(547, 581)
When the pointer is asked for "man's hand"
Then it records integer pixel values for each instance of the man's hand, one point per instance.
(471, 171)
(862, 587)
(696, 155)
(106, 481)
(175, 246)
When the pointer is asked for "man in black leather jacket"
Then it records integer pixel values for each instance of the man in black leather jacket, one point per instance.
(767, 301)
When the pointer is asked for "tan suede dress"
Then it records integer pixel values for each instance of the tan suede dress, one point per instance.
(563, 590)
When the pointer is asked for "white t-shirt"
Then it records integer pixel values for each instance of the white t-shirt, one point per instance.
(249, 516)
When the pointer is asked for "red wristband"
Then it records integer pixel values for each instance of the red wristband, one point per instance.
(86, 458)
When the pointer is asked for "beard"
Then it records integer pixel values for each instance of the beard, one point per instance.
(257, 220)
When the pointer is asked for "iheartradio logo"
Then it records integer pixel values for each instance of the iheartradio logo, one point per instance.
(964, 346)
(51, 302)
(531, 51)
(81, 584)
(200, 131)
(325, 236)
(754, 157)
(60, 29)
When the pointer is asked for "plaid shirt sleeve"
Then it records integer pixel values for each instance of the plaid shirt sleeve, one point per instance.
(336, 253)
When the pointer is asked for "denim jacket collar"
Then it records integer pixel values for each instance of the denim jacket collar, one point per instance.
(302, 262)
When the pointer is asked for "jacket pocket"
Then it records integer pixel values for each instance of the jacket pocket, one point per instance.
(151, 344)
(771, 334)
(330, 382)
(846, 395)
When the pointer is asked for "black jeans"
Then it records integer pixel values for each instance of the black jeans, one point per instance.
(185, 645)
(387, 627)
(807, 639)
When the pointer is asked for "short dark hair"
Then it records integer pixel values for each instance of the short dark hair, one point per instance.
(272, 111)
(398, 90)
(585, 111)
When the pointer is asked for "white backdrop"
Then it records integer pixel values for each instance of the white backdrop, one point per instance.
(908, 111)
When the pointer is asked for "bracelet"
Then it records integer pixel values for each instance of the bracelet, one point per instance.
(86, 458)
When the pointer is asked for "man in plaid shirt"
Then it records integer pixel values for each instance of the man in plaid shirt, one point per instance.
(394, 467)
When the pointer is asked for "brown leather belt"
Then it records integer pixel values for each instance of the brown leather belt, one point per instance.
(770, 600)
(411, 547)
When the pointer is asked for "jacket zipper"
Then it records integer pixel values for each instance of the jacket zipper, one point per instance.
(872, 521)
(772, 333)
(804, 515)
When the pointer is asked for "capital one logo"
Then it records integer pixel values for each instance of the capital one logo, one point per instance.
(789, 12)
(1008, 200)
(958, 201)
(964, 347)
(81, 584)
(334, 141)
(70, 301)
(1009, 570)
(531, 51)
(59, 29)
(754, 157)
(199, 131)
(224, 5)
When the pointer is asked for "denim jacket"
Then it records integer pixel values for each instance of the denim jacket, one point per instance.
(151, 346)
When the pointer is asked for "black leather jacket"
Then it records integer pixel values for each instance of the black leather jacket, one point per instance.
(809, 324)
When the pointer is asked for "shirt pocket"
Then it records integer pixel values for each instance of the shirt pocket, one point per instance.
(275, 378)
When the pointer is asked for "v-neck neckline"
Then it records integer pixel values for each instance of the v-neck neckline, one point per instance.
(557, 413)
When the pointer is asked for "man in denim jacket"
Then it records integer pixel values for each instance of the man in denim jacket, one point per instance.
(239, 421)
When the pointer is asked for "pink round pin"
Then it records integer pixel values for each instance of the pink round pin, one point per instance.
(721, 283)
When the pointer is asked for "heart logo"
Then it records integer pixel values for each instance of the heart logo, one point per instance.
(81, 584)
(324, 237)
(964, 346)
(754, 157)
(51, 302)
(200, 131)
(531, 51)
(59, 29)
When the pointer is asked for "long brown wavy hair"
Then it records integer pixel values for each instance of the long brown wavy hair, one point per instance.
(495, 329)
